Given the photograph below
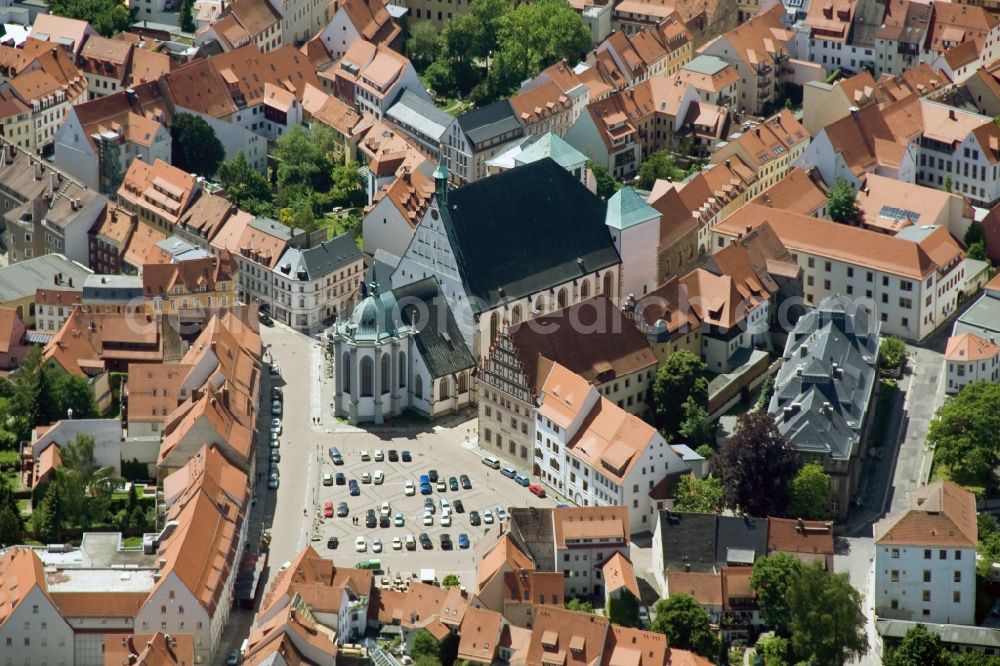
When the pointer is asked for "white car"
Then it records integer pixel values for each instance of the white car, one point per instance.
(379, 455)
(364, 455)
(501, 513)
(378, 477)
(442, 486)
(366, 477)
(411, 542)
(376, 545)
(327, 479)
(409, 489)
(428, 519)
(399, 521)
(276, 408)
(445, 505)
(446, 519)
(385, 509)
(397, 543)
(276, 426)
(487, 516)
(360, 544)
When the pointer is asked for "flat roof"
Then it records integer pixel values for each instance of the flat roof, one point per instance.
(22, 279)
(706, 64)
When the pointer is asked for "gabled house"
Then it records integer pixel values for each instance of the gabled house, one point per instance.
(317, 284)
(476, 136)
(351, 20)
(969, 358)
(392, 219)
(31, 626)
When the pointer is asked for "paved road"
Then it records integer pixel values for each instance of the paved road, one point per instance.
(855, 557)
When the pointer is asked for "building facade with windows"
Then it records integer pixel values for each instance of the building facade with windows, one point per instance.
(314, 285)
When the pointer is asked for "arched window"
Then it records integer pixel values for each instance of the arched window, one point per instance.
(345, 364)
(402, 369)
(585, 289)
(418, 387)
(443, 389)
(561, 298)
(367, 376)
(463, 383)
(494, 325)
(540, 304)
(515, 315)
(385, 385)
(609, 285)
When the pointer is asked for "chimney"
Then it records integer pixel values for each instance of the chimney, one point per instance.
(951, 114)
(800, 526)
(727, 163)
(406, 175)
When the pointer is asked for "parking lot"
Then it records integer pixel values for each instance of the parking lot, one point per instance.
(446, 445)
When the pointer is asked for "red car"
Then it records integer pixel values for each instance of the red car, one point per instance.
(328, 509)
(537, 490)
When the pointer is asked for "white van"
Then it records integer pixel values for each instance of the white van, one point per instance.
(492, 461)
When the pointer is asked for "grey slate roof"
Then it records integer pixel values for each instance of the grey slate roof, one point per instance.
(488, 122)
(982, 318)
(382, 266)
(439, 339)
(316, 262)
(688, 540)
(951, 634)
(823, 389)
(740, 540)
(410, 109)
(20, 280)
(508, 246)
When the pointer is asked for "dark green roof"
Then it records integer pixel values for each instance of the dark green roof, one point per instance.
(438, 337)
(526, 230)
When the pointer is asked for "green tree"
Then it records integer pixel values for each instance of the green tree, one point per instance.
(424, 44)
(194, 146)
(842, 202)
(532, 36)
(303, 158)
(440, 78)
(580, 605)
(348, 185)
(705, 451)
(891, 353)
(700, 495)
(919, 647)
(770, 579)
(947, 183)
(756, 464)
(974, 234)
(25, 402)
(424, 644)
(989, 540)
(245, 187)
(606, 183)
(775, 650)
(61, 392)
(964, 433)
(660, 165)
(809, 493)
(686, 625)
(828, 626)
(185, 16)
(682, 376)
(426, 660)
(490, 14)
(623, 609)
(977, 251)
(449, 581)
(696, 428)
(10, 526)
(108, 17)
(86, 488)
(52, 515)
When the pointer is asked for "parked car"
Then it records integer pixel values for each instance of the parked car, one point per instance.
(384, 521)
(276, 425)
(411, 542)
(365, 456)
(360, 544)
(379, 455)
(393, 455)
(474, 519)
(233, 658)
(643, 617)
(398, 520)
(433, 474)
(463, 540)
(425, 541)
(453, 483)
(371, 520)
(385, 509)
(509, 472)
(409, 489)
(442, 486)
(487, 516)
(536, 490)
(501, 513)
(445, 504)
(522, 480)
(376, 545)
(355, 489)
(335, 456)
(272, 484)
(446, 542)
(276, 408)
(429, 505)
(406, 456)
(397, 543)
(458, 506)
(342, 510)
(341, 479)
(275, 456)
(332, 543)
(446, 519)
(378, 477)
(466, 483)
(428, 519)
(366, 477)
(327, 479)
(275, 442)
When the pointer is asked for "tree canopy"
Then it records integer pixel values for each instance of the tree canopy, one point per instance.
(696, 429)
(682, 376)
(623, 609)
(451, 580)
(107, 17)
(891, 352)
(770, 579)
(756, 464)
(606, 183)
(659, 165)
(194, 147)
(842, 202)
(827, 626)
(581, 605)
(700, 495)
(686, 625)
(85, 486)
(775, 650)
(423, 644)
(424, 44)
(185, 16)
(245, 187)
(809, 493)
(964, 433)
(919, 647)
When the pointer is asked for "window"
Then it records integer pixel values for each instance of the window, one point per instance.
(958, 577)
(958, 555)
(927, 595)
(367, 376)
(444, 389)
(345, 363)
(894, 576)
(927, 553)
(402, 369)
(895, 553)
(385, 383)
(956, 597)
(927, 576)
(894, 604)
(942, 554)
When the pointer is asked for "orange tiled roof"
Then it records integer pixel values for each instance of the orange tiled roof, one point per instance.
(789, 535)
(938, 514)
(969, 347)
